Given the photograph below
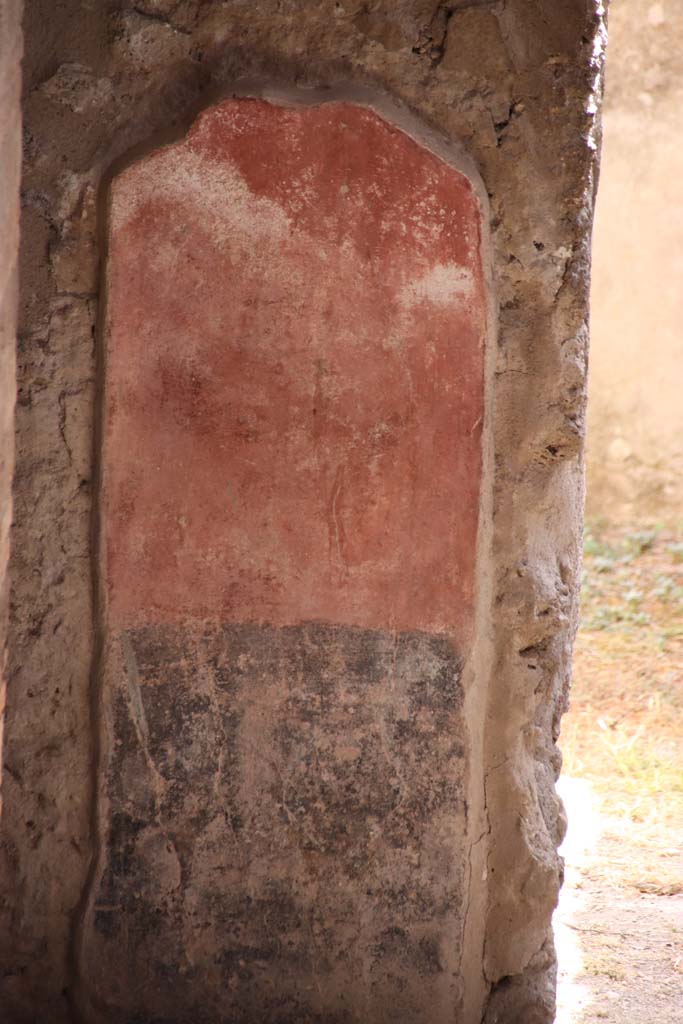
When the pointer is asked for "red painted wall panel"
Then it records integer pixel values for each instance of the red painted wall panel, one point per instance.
(294, 376)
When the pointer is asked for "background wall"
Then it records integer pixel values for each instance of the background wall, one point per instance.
(635, 409)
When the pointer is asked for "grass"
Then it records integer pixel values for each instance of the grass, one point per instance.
(604, 963)
(624, 730)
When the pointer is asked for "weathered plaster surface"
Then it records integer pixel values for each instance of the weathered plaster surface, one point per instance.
(508, 82)
(295, 333)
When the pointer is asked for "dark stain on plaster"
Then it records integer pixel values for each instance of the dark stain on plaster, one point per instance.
(283, 815)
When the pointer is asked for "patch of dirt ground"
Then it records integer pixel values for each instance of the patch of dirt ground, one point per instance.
(619, 924)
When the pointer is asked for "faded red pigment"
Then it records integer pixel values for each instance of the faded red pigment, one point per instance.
(294, 376)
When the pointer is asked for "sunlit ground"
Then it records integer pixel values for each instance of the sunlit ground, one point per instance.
(573, 995)
(619, 926)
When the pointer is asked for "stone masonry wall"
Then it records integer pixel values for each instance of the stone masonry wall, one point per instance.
(510, 88)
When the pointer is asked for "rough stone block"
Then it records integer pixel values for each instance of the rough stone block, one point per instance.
(514, 87)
